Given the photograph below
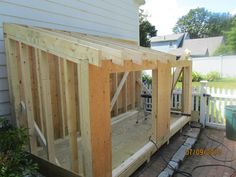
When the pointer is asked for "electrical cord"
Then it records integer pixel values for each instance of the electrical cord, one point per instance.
(187, 174)
(167, 163)
(219, 144)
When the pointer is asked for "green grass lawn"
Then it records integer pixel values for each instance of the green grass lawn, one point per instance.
(226, 84)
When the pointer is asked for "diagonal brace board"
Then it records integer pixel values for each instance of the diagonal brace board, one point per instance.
(179, 70)
(122, 82)
(176, 76)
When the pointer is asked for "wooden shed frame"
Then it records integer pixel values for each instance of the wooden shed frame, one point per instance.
(95, 58)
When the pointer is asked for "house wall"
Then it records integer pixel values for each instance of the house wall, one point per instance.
(165, 45)
(112, 18)
(225, 65)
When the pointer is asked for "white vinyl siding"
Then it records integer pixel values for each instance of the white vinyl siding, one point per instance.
(111, 18)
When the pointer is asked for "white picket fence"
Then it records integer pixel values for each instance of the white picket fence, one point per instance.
(215, 106)
(209, 102)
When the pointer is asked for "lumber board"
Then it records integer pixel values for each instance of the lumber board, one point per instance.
(187, 90)
(85, 122)
(176, 76)
(149, 54)
(120, 86)
(12, 69)
(46, 102)
(56, 45)
(38, 81)
(40, 135)
(133, 83)
(100, 121)
(128, 66)
(35, 86)
(181, 62)
(48, 169)
(69, 70)
(161, 101)
(27, 84)
(55, 95)
(62, 96)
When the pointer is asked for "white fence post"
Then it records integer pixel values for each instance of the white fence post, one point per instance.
(203, 103)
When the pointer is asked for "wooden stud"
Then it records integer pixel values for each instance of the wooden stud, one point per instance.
(117, 102)
(12, 69)
(85, 122)
(161, 90)
(133, 80)
(62, 97)
(39, 88)
(187, 90)
(100, 121)
(46, 102)
(55, 95)
(27, 84)
(69, 70)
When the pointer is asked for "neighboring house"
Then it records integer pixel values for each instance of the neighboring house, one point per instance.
(202, 47)
(168, 42)
(111, 18)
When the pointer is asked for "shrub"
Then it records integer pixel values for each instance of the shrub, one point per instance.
(213, 76)
(197, 77)
(146, 79)
(14, 161)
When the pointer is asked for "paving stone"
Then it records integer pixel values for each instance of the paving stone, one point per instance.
(190, 142)
(180, 154)
(193, 132)
(164, 174)
(170, 168)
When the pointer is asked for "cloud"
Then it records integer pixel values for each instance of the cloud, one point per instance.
(233, 12)
(163, 14)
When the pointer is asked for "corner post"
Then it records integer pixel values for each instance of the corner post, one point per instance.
(187, 90)
(94, 85)
(203, 103)
(161, 101)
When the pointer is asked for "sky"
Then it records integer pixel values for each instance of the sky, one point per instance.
(165, 13)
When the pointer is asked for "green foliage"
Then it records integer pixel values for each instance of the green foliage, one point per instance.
(14, 161)
(213, 76)
(146, 29)
(146, 78)
(229, 48)
(201, 23)
(197, 77)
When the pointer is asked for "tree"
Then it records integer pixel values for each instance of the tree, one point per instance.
(229, 48)
(201, 23)
(146, 29)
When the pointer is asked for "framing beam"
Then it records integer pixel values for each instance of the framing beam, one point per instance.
(54, 44)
